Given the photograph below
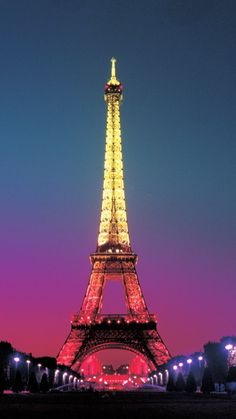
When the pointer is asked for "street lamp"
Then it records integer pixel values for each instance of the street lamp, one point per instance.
(181, 364)
(64, 377)
(16, 359)
(189, 361)
(228, 347)
(39, 371)
(161, 378)
(56, 376)
(175, 367)
(166, 376)
(28, 367)
(200, 359)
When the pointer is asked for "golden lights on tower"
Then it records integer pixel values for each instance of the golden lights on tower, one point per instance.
(113, 230)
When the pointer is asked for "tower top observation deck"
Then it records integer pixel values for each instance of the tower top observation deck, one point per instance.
(113, 87)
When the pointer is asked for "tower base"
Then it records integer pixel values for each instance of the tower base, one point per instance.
(113, 332)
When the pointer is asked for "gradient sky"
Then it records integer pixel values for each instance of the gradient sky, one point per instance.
(177, 62)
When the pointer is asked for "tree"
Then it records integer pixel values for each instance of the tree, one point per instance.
(18, 385)
(231, 377)
(180, 383)
(44, 385)
(6, 351)
(207, 381)
(171, 383)
(3, 382)
(216, 357)
(47, 361)
(33, 386)
(191, 385)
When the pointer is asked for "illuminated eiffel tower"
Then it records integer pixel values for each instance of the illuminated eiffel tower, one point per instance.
(114, 259)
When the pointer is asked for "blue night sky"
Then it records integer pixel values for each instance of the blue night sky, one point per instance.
(177, 62)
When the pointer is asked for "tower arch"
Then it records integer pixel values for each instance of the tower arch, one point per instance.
(81, 357)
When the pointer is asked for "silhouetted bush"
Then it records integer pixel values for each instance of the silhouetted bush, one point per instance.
(3, 382)
(231, 377)
(191, 385)
(180, 383)
(47, 361)
(171, 383)
(216, 357)
(6, 351)
(18, 384)
(33, 386)
(207, 382)
(44, 385)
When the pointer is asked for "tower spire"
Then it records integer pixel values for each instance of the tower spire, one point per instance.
(113, 80)
(113, 67)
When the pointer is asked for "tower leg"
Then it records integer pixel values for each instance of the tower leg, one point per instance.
(93, 298)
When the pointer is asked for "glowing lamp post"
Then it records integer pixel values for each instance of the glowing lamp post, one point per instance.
(200, 359)
(175, 367)
(166, 376)
(17, 360)
(64, 377)
(71, 377)
(229, 347)
(28, 362)
(39, 374)
(189, 361)
(56, 376)
(160, 378)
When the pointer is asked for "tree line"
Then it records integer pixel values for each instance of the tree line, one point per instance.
(20, 371)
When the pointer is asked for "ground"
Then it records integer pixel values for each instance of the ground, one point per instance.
(119, 405)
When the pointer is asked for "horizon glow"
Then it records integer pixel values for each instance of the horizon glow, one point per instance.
(178, 134)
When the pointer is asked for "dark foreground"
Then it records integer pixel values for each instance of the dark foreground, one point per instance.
(119, 405)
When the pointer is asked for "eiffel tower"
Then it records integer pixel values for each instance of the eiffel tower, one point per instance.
(114, 259)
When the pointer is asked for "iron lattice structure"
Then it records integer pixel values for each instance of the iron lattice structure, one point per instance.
(113, 260)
